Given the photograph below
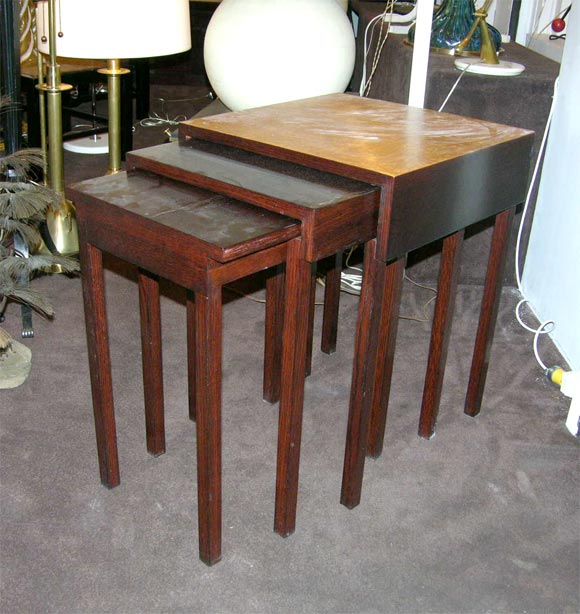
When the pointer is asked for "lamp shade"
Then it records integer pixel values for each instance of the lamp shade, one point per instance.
(117, 29)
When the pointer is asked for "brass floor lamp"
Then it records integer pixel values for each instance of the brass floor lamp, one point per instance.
(108, 30)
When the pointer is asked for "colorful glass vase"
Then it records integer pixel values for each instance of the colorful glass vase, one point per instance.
(452, 22)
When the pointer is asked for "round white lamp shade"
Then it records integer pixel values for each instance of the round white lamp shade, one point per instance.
(260, 52)
(115, 29)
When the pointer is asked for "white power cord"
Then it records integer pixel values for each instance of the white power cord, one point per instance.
(351, 283)
(548, 325)
(463, 71)
(365, 83)
(155, 119)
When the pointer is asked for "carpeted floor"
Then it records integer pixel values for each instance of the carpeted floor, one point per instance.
(482, 518)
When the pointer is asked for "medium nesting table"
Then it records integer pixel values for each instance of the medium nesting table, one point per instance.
(438, 174)
(335, 213)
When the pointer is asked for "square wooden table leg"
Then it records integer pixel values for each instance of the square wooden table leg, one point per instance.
(440, 332)
(363, 376)
(311, 313)
(387, 340)
(208, 367)
(294, 350)
(489, 309)
(150, 312)
(93, 283)
(331, 304)
(191, 379)
(274, 326)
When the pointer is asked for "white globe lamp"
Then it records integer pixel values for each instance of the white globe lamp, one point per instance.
(261, 52)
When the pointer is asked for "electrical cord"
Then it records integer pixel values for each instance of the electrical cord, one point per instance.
(162, 119)
(463, 71)
(426, 317)
(547, 326)
(365, 83)
(248, 296)
(351, 283)
(257, 300)
(539, 15)
(156, 120)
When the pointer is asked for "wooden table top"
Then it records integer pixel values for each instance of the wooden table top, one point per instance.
(367, 139)
(322, 201)
(221, 227)
(299, 187)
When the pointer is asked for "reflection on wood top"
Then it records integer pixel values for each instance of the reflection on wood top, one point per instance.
(373, 139)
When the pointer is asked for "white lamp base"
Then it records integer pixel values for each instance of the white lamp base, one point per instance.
(94, 144)
(503, 69)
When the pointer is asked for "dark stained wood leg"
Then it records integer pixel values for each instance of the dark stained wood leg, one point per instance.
(488, 314)
(365, 364)
(99, 362)
(440, 333)
(150, 312)
(331, 304)
(311, 313)
(273, 333)
(190, 315)
(295, 340)
(387, 340)
(208, 310)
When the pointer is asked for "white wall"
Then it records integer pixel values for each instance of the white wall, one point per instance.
(535, 15)
(499, 14)
(551, 278)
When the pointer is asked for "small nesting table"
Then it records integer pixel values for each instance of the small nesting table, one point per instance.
(199, 241)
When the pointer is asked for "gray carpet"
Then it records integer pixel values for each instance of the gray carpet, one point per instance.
(482, 518)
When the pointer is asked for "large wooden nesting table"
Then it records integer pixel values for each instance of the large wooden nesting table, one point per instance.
(437, 174)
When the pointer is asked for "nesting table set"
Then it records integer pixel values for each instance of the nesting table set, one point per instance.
(280, 188)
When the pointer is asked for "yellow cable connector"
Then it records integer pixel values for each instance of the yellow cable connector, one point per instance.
(555, 375)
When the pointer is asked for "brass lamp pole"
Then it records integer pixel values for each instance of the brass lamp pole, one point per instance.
(114, 72)
(53, 88)
(488, 63)
(118, 30)
(488, 53)
(61, 224)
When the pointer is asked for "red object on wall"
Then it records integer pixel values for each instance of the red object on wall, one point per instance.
(558, 24)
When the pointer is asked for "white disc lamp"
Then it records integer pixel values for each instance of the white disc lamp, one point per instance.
(501, 69)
